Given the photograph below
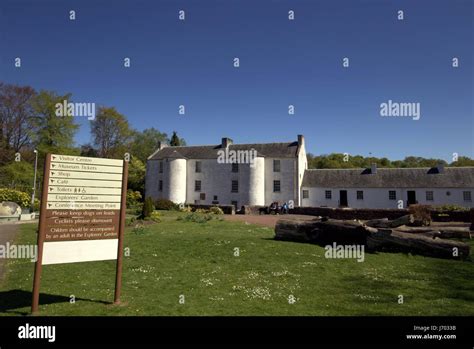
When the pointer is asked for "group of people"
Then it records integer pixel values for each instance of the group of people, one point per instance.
(274, 206)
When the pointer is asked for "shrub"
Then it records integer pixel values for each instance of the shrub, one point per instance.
(451, 208)
(421, 213)
(201, 210)
(195, 217)
(148, 207)
(164, 204)
(19, 197)
(155, 216)
(129, 221)
(216, 210)
(134, 198)
(36, 205)
(186, 209)
(139, 229)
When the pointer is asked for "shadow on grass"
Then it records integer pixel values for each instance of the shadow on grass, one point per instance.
(16, 299)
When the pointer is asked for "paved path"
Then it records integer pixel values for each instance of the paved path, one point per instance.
(8, 232)
(266, 220)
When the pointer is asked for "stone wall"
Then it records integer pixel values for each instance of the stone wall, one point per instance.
(366, 214)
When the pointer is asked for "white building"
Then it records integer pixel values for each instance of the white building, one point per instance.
(193, 175)
(388, 187)
(278, 172)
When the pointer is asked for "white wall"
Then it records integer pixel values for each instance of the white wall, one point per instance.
(174, 180)
(302, 166)
(287, 177)
(216, 179)
(378, 197)
(151, 179)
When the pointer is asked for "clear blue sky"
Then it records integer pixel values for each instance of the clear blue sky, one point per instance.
(282, 62)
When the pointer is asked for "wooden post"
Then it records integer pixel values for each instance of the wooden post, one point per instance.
(41, 235)
(118, 275)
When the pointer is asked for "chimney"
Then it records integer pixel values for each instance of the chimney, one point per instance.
(373, 168)
(300, 140)
(440, 167)
(162, 145)
(226, 142)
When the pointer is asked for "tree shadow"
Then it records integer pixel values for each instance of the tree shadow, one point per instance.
(17, 299)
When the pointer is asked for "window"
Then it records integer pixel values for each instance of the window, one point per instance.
(276, 165)
(215, 197)
(276, 186)
(160, 185)
(161, 167)
(466, 195)
(202, 196)
(305, 194)
(235, 187)
(197, 185)
(328, 194)
(235, 167)
(198, 166)
(392, 195)
(360, 195)
(429, 196)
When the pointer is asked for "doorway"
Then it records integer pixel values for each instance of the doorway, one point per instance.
(411, 197)
(343, 198)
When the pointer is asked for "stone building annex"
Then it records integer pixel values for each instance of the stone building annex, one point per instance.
(259, 174)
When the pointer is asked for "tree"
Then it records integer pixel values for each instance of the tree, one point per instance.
(146, 142)
(111, 133)
(88, 150)
(136, 175)
(17, 175)
(463, 161)
(15, 116)
(175, 141)
(335, 160)
(53, 133)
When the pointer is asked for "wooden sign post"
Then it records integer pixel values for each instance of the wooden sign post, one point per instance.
(82, 215)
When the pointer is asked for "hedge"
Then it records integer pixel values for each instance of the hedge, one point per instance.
(19, 197)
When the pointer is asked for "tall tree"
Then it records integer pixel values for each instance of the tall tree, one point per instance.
(16, 116)
(146, 142)
(53, 133)
(111, 133)
(175, 141)
(88, 150)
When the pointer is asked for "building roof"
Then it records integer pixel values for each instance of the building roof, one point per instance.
(273, 150)
(452, 177)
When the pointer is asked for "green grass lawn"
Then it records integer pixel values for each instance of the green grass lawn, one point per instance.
(175, 258)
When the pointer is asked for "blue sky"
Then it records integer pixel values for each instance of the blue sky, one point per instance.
(282, 62)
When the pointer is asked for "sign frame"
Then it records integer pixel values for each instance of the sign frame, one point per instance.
(43, 228)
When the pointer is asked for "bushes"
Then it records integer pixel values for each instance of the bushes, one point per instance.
(134, 198)
(216, 210)
(450, 208)
(164, 204)
(195, 217)
(19, 197)
(421, 213)
(148, 208)
(186, 209)
(155, 217)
